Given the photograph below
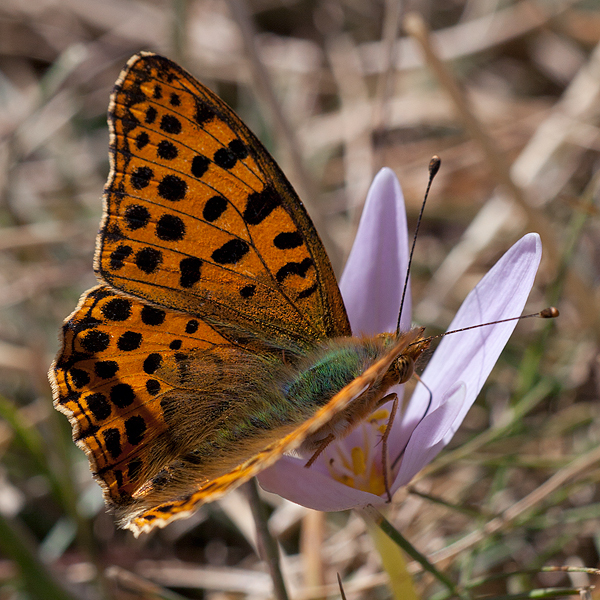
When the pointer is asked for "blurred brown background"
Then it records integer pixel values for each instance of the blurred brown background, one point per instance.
(507, 93)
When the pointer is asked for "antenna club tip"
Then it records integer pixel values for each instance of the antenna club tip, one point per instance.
(434, 165)
(549, 313)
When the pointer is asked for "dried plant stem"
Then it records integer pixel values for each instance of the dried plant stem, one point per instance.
(385, 80)
(581, 294)
(356, 117)
(516, 510)
(303, 180)
(179, 29)
(542, 593)
(130, 583)
(464, 39)
(266, 543)
(417, 29)
(527, 403)
(311, 541)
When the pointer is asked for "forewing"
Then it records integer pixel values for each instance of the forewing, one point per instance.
(200, 219)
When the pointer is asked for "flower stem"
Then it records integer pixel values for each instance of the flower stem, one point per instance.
(267, 545)
(373, 514)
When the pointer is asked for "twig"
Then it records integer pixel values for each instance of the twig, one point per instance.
(266, 543)
(311, 544)
(414, 24)
(357, 121)
(417, 28)
(264, 87)
(550, 485)
(467, 39)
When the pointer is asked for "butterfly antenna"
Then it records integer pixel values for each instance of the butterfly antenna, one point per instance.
(434, 167)
(548, 313)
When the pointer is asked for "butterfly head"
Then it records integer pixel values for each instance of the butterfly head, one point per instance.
(403, 366)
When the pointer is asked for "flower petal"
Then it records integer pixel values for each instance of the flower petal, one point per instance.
(469, 356)
(431, 435)
(289, 478)
(374, 275)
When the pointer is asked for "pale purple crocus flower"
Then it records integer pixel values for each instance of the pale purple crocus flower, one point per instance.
(348, 474)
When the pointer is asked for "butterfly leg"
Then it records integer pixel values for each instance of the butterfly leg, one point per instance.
(384, 442)
(322, 445)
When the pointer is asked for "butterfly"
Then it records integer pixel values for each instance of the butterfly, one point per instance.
(217, 339)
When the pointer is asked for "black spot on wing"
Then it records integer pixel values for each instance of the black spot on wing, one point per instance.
(152, 316)
(248, 291)
(224, 158)
(191, 326)
(136, 216)
(98, 406)
(238, 148)
(106, 369)
(141, 177)
(148, 259)
(189, 269)
(288, 240)
(118, 257)
(79, 377)
(214, 208)
(122, 395)
(153, 387)
(142, 140)
(135, 428)
(129, 341)
(203, 113)
(166, 150)
(172, 188)
(308, 292)
(260, 205)
(152, 363)
(112, 441)
(95, 341)
(199, 165)
(170, 228)
(294, 268)
(170, 124)
(117, 309)
(231, 252)
(151, 115)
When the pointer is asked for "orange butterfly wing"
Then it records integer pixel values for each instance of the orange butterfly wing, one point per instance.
(161, 515)
(109, 379)
(204, 249)
(199, 217)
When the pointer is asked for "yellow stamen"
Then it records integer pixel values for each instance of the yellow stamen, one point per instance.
(358, 461)
(361, 466)
(379, 415)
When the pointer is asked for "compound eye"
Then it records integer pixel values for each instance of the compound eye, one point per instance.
(404, 368)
